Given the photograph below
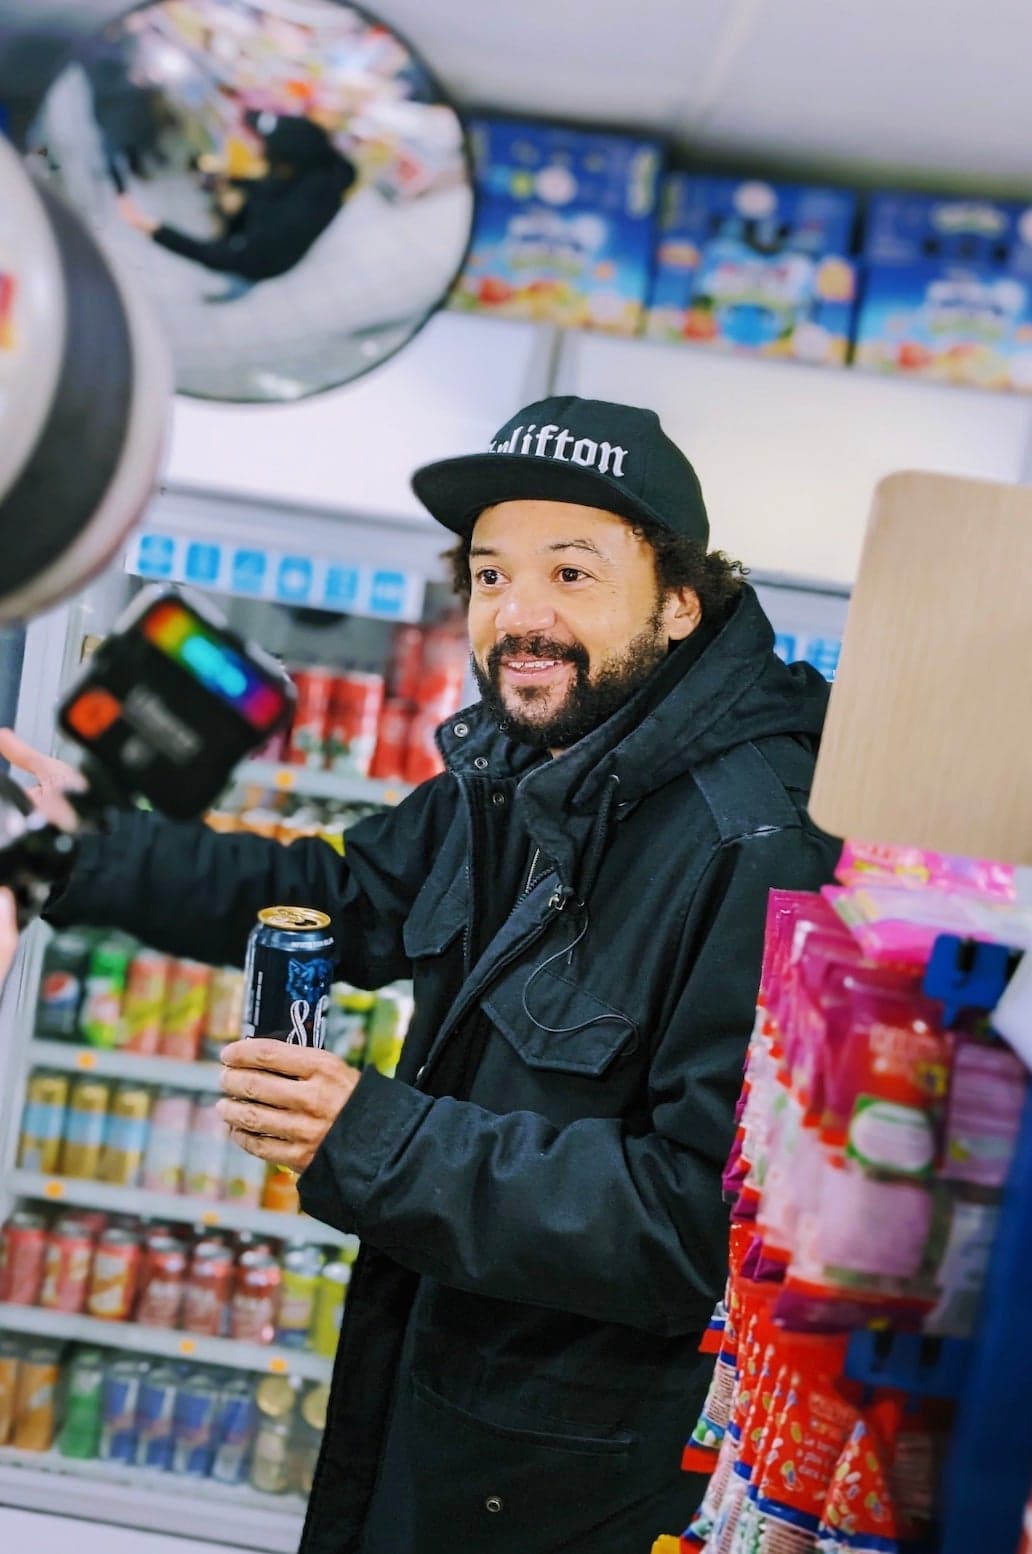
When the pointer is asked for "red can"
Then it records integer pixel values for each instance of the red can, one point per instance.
(66, 1275)
(209, 1290)
(255, 1297)
(406, 664)
(422, 757)
(444, 670)
(162, 1284)
(351, 727)
(186, 1009)
(116, 1266)
(308, 731)
(388, 763)
(25, 1255)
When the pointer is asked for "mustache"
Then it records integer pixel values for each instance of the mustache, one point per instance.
(537, 647)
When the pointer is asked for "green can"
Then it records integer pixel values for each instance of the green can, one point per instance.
(101, 1019)
(329, 1308)
(298, 1299)
(84, 1392)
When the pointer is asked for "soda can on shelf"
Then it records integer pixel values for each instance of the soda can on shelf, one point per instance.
(42, 1130)
(9, 1352)
(388, 763)
(280, 1195)
(353, 721)
(85, 1125)
(308, 1436)
(196, 1416)
(186, 1007)
(289, 970)
(34, 1399)
(306, 745)
(143, 1005)
(405, 668)
(101, 1018)
(422, 757)
(245, 1177)
(299, 1287)
(162, 1283)
(25, 1257)
(167, 1141)
(125, 1139)
(120, 1403)
(225, 1010)
(155, 1417)
(445, 657)
(66, 1274)
(252, 1317)
(275, 1397)
(270, 1457)
(113, 1276)
(234, 1431)
(388, 1024)
(329, 1307)
(209, 1289)
(62, 984)
(204, 1169)
(80, 1431)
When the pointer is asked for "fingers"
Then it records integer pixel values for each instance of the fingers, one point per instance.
(275, 1057)
(48, 771)
(8, 932)
(248, 1084)
(296, 1156)
(265, 1121)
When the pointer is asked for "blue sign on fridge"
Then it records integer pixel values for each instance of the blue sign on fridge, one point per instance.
(294, 579)
(155, 555)
(247, 574)
(785, 646)
(388, 595)
(341, 587)
(202, 563)
(823, 654)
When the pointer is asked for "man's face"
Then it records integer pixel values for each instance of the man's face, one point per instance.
(565, 619)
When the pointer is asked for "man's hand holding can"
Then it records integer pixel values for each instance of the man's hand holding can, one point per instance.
(283, 1099)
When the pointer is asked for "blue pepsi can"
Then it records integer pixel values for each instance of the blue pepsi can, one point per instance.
(234, 1431)
(196, 1413)
(287, 973)
(123, 1382)
(155, 1417)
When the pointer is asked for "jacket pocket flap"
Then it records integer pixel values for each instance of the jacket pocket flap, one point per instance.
(437, 917)
(556, 1024)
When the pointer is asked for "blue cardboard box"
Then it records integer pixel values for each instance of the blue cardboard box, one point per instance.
(947, 291)
(759, 268)
(564, 227)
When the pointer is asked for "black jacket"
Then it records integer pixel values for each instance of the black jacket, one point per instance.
(543, 1232)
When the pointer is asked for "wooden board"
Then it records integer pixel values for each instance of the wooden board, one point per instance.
(929, 733)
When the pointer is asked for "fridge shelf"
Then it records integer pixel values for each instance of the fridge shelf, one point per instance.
(167, 1342)
(128, 1067)
(142, 1498)
(320, 785)
(61, 1190)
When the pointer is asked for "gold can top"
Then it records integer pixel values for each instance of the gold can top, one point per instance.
(315, 1406)
(275, 1397)
(293, 917)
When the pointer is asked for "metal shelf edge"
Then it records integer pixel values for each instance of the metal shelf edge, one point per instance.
(324, 785)
(94, 1062)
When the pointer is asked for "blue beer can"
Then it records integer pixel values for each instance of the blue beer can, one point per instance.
(288, 973)
(123, 1382)
(194, 1421)
(155, 1417)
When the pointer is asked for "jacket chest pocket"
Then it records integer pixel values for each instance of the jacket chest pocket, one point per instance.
(438, 916)
(557, 1026)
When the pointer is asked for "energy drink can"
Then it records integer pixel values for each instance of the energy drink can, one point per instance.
(66, 1273)
(185, 1010)
(143, 1005)
(119, 1435)
(234, 1432)
(225, 1015)
(85, 1124)
(196, 1415)
(62, 985)
(38, 1373)
(289, 969)
(116, 1266)
(25, 1256)
(298, 1290)
(206, 1150)
(9, 1350)
(125, 1139)
(167, 1141)
(83, 1407)
(39, 1148)
(329, 1308)
(101, 1018)
(155, 1416)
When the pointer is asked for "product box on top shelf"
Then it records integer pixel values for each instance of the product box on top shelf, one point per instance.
(947, 292)
(759, 268)
(564, 226)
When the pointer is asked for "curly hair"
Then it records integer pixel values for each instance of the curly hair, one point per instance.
(679, 562)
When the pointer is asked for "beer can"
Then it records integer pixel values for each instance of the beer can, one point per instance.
(167, 1141)
(125, 1139)
(196, 1416)
(38, 1373)
(302, 1267)
(329, 1308)
(270, 1457)
(289, 970)
(234, 1431)
(25, 1256)
(80, 1432)
(143, 1005)
(205, 1165)
(388, 763)
(120, 1403)
(155, 1418)
(209, 1289)
(255, 1301)
(116, 1264)
(280, 1194)
(244, 1178)
(66, 1273)
(39, 1148)
(9, 1350)
(354, 717)
(186, 1007)
(162, 1283)
(62, 985)
(225, 1014)
(306, 745)
(106, 975)
(85, 1124)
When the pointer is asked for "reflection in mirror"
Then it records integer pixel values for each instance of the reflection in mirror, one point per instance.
(283, 177)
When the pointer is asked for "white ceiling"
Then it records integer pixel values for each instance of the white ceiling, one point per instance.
(910, 87)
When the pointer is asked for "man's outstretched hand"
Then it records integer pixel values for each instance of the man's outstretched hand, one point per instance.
(282, 1100)
(54, 778)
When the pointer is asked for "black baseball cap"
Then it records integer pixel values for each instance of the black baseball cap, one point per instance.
(589, 451)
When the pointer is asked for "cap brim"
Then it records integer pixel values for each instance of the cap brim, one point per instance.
(456, 491)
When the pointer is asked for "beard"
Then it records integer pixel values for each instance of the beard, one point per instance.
(590, 701)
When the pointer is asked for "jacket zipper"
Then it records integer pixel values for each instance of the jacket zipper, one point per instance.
(529, 886)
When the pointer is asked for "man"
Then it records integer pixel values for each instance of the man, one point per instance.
(580, 900)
